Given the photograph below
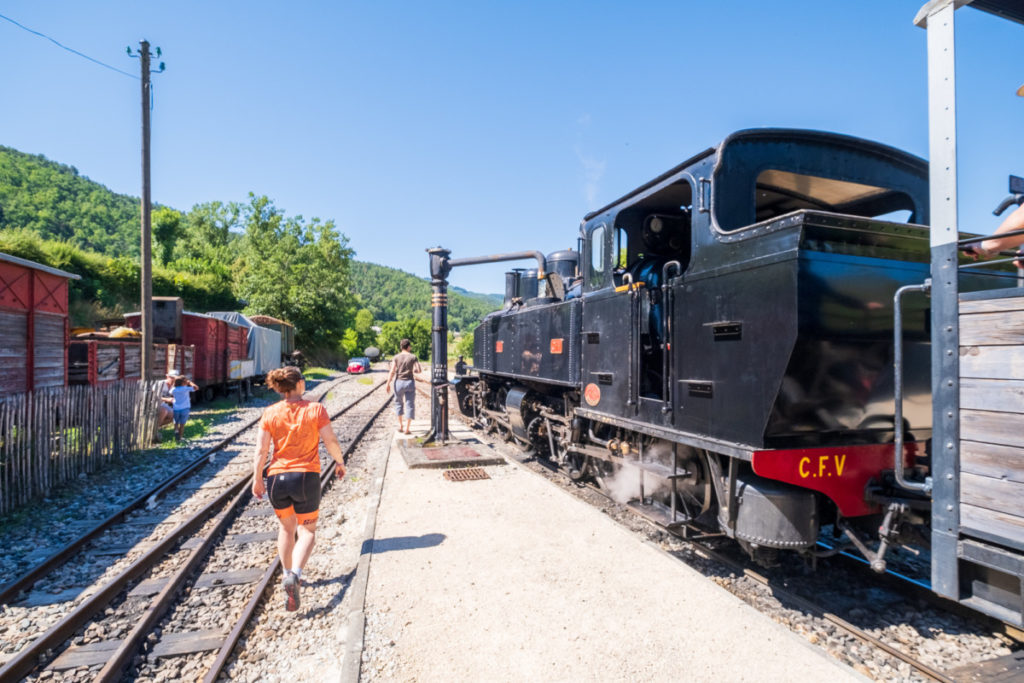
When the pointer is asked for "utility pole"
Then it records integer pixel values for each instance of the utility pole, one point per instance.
(146, 256)
(147, 226)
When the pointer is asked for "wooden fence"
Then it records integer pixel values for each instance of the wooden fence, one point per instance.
(50, 436)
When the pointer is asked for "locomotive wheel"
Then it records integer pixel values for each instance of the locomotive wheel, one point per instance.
(537, 433)
(578, 465)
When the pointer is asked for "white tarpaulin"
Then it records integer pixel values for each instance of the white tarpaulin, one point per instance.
(264, 344)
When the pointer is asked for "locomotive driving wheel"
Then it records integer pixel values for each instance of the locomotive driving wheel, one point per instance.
(577, 464)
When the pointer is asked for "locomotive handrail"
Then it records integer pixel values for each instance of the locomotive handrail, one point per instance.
(627, 282)
(897, 419)
(982, 238)
(666, 329)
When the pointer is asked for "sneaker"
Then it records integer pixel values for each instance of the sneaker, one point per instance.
(291, 591)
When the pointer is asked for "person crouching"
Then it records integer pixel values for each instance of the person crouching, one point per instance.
(293, 428)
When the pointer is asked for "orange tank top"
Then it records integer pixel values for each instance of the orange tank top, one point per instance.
(294, 428)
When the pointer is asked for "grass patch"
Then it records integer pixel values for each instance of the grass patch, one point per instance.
(365, 380)
(318, 373)
(199, 421)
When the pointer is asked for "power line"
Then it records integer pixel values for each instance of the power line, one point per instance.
(71, 50)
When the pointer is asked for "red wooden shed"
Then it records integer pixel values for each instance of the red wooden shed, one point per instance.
(33, 325)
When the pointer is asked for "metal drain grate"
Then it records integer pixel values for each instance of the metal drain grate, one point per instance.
(465, 474)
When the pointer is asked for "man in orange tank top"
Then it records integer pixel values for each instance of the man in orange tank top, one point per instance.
(293, 428)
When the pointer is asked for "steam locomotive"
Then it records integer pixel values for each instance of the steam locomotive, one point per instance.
(719, 349)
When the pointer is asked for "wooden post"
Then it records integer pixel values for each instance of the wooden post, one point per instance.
(146, 256)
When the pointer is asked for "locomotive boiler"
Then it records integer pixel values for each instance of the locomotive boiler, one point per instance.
(720, 350)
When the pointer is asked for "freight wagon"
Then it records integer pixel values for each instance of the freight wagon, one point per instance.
(221, 348)
(264, 345)
(33, 325)
(98, 359)
(287, 334)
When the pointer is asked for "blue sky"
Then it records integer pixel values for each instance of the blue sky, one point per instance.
(484, 126)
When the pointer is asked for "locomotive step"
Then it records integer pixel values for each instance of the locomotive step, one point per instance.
(655, 513)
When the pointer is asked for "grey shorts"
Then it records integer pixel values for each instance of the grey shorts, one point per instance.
(405, 398)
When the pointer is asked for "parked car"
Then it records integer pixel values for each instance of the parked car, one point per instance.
(357, 366)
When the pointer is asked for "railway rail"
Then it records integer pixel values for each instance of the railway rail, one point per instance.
(169, 560)
(10, 590)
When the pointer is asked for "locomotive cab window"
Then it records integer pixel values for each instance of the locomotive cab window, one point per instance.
(763, 175)
(597, 256)
(780, 192)
(655, 231)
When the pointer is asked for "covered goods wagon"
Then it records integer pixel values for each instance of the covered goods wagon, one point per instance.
(264, 347)
(33, 325)
(286, 329)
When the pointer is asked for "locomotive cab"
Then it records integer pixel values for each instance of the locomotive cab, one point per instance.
(740, 306)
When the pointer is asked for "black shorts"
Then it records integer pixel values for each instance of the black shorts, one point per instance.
(295, 493)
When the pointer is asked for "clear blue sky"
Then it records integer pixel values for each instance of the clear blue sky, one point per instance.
(482, 126)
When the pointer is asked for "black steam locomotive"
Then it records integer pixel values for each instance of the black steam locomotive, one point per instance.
(720, 347)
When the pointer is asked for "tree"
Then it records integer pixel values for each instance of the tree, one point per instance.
(208, 240)
(464, 347)
(416, 330)
(167, 225)
(297, 271)
(360, 335)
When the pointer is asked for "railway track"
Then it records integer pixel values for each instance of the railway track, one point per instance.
(774, 588)
(10, 590)
(113, 619)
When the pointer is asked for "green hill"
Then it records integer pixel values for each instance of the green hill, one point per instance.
(99, 230)
(392, 294)
(54, 201)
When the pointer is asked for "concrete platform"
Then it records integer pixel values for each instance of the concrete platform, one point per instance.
(511, 578)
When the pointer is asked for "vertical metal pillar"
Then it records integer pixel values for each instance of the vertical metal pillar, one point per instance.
(945, 294)
(146, 257)
(439, 269)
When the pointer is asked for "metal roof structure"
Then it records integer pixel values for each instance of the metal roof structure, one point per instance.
(1007, 9)
(38, 266)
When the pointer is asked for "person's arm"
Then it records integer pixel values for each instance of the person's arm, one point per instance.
(334, 450)
(1015, 221)
(391, 374)
(262, 451)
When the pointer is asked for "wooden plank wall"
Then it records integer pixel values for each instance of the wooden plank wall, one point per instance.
(992, 418)
(50, 436)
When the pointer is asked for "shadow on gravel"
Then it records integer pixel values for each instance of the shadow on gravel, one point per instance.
(345, 580)
(377, 546)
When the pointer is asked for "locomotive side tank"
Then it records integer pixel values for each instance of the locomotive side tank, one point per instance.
(725, 346)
